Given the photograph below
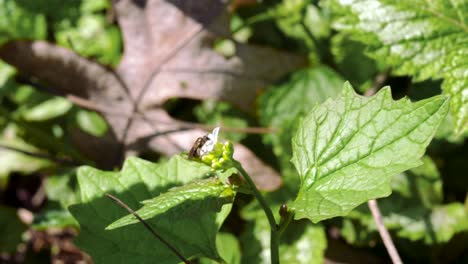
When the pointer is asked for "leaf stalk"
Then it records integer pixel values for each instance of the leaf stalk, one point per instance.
(274, 233)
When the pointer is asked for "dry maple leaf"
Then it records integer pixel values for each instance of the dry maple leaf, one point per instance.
(167, 54)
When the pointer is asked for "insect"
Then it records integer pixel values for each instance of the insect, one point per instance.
(204, 144)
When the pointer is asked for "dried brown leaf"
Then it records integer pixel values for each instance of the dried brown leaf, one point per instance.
(167, 53)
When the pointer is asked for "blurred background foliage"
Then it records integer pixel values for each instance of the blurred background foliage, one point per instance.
(426, 214)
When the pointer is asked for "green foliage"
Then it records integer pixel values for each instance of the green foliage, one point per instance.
(91, 122)
(347, 149)
(222, 114)
(415, 210)
(425, 39)
(301, 242)
(61, 187)
(188, 216)
(356, 67)
(283, 105)
(14, 161)
(302, 20)
(228, 248)
(19, 23)
(11, 229)
(54, 219)
(92, 36)
(48, 109)
(211, 192)
(79, 24)
(36, 120)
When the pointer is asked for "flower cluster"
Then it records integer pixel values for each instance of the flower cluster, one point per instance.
(220, 157)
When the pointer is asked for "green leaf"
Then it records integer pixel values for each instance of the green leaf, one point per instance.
(14, 161)
(295, 97)
(62, 187)
(79, 25)
(25, 95)
(222, 114)
(351, 61)
(443, 221)
(426, 39)
(409, 220)
(6, 71)
(346, 150)
(92, 36)
(301, 242)
(11, 229)
(415, 210)
(19, 23)
(141, 180)
(54, 219)
(185, 204)
(91, 122)
(49, 109)
(426, 182)
(94, 5)
(302, 20)
(228, 248)
(283, 105)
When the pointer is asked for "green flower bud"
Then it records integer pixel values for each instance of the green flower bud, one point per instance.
(219, 156)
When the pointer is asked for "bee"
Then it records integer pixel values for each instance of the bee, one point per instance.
(204, 144)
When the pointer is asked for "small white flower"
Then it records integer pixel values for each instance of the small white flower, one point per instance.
(211, 141)
(204, 145)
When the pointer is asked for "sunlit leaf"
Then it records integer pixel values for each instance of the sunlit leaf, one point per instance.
(425, 39)
(346, 150)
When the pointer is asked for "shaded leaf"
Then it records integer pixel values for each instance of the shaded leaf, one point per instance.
(6, 72)
(415, 210)
(302, 20)
(283, 105)
(54, 219)
(438, 226)
(204, 191)
(11, 229)
(346, 150)
(142, 180)
(48, 109)
(62, 188)
(222, 114)
(94, 37)
(19, 23)
(426, 39)
(91, 122)
(14, 161)
(352, 62)
(228, 248)
(301, 242)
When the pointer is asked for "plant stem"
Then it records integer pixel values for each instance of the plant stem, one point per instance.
(274, 234)
(386, 238)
